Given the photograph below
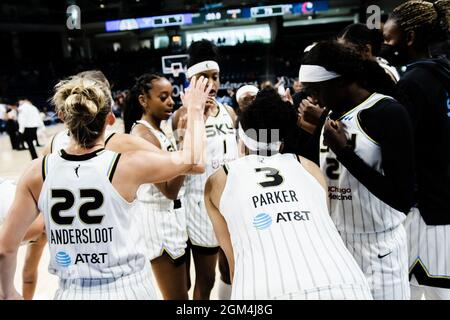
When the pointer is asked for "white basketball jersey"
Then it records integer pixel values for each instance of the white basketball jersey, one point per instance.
(7, 193)
(90, 227)
(283, 238)
(221, 148)
(353, 207)
(62, 139)
(149, 192)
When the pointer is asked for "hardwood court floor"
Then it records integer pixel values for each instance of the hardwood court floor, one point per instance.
(12, 164)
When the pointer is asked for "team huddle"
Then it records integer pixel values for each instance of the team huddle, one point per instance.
(358, 221)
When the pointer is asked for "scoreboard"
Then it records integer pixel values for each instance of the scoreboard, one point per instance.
(149, 22)
(303, 8)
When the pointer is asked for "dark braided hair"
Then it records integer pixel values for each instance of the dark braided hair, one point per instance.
(133, 110)
(341, 59)
(360, 35)
(201, 51)
(429, 20)
(269, 111)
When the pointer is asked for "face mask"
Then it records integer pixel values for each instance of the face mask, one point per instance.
(393, 54)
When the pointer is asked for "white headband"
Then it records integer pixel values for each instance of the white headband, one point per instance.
(201, 67)
(255, 145)
(247, 88)
(313, 73)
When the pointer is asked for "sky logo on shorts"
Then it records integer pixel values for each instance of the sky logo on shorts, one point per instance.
(63, 259)
(262, 221)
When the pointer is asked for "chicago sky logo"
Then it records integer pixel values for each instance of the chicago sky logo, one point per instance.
(63, 259)
(262, 221)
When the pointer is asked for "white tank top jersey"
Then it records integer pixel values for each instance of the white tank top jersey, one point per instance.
(149, 192)
(283, 239)
(221, 148)
(62, 139)
(7, 193)
(91, 231)
(353, 207)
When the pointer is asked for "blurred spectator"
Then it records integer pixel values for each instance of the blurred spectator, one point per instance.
(12, 127)
(119, 101)
(29, 122)
(227, 97)
(267, 84)
(2, 117)
(297, 86)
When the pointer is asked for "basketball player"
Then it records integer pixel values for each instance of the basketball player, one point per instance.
(154, 233)
(221, 148)
(276, 231)
(34, 239)
(62, 139)
(366, 155)
(408, 33)
(245, 95)
(93, 248)
(163, 218)
(368, 42)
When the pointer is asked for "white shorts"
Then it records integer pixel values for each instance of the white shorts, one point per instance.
(383, 258)
(420, 292)
(347, 292)
(136, 286)
(429, 251)
(199, 227)
(163, 231)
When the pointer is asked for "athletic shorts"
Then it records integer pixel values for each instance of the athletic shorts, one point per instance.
(429, 251)
(164, 230)
(383, 258)
(344, 292)
(136, 286)
(199, 227)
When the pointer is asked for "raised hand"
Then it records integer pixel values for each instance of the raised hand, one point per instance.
(288, 97)
(334, 135)
(196, 94)
(310, 112)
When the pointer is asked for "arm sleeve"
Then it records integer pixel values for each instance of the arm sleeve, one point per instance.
(410, 95)
(389, 125)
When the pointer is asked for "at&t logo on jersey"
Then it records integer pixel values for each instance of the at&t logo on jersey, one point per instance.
(262, 221)
(63, 259)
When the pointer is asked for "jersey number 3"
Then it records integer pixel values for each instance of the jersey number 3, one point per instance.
(83, 210)
(275, 179)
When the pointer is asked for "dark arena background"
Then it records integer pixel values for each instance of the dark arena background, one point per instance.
(259, 40)
(402, 168)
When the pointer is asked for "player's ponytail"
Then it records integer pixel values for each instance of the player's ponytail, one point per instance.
(84, 104)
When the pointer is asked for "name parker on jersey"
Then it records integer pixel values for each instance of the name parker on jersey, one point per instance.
(274, 197)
